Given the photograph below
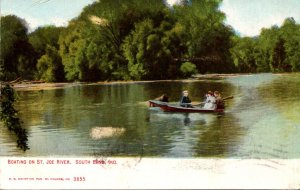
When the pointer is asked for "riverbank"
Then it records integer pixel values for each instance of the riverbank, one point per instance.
(29, 86)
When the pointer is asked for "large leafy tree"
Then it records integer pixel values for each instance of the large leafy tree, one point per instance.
(146, 55)
(290, 32)
(114, 20)
(243, 54)
(92, 43)
(73, 44)
(150, 48)
(49, 66)
(206, 37)
(277, 48)
(16, 51)
(43, 37)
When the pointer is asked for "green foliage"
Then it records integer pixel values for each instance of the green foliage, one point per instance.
(134, 48)
(188, 69)
(148, 50)
(113, 21)
(205, 36)
(43, 37)
(73, 44)
(16, 51)
(49, 66)
(10, 118)
(291, 36)
(243, 54)
(276, 49)
(133, 39)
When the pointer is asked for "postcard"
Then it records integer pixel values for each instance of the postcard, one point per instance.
(160, 94)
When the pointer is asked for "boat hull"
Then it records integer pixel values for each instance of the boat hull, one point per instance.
(156, 103)
(171, 108)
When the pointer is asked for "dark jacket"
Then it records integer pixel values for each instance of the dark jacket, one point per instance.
(185, 101)
(220, 103)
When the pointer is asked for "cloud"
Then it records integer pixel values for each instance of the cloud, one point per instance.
(59, 21)
(249, 17)
(32, 22)
(171, 2)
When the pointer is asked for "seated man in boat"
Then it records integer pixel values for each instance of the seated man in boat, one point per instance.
(185, 100)
(163, 98)
(219, 100)
(210, 102)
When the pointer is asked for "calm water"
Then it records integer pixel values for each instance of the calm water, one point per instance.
(262, 121)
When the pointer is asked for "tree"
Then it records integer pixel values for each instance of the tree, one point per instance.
(188, 69)
(243, 54)
(277, 48)
(147, 51)
(114, 20)
(49, 66)
(290, 32)
(43, 37)
(206, 38)
(15, 49)
(73, 44)
(279, 56)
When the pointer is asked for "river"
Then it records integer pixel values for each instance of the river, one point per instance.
(261, 121)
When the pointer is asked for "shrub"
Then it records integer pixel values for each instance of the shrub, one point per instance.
(188, 69)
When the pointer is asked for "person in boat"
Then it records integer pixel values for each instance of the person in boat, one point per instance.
(185, 100)
(210, 102)
(219, 100)
(163, 98)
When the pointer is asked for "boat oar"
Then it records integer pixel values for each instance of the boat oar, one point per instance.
(190, 104)
(227, 98)
(201, 103)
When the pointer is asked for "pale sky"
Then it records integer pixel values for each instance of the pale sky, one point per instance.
(247, 17)
(44, 12)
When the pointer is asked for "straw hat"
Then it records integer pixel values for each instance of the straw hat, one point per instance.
(217, 92)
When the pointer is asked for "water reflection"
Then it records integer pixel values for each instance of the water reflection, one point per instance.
(221, 138)
(256, 123)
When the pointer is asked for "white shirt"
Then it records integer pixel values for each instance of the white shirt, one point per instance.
(210, 102)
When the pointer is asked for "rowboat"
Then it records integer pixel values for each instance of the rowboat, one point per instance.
(176, 108)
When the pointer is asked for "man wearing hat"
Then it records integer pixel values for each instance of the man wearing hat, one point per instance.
(219, 100)
(185, 100)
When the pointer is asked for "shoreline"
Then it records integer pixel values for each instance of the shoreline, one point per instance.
(32, 86)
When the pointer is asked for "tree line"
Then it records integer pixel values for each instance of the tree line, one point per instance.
(143, 40)
(276, 49)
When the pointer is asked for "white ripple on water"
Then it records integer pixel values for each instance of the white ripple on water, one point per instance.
(105, 132)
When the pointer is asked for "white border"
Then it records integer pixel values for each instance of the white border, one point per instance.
(152, 173)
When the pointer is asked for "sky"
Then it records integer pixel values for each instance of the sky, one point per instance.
(245, 16)
(44, 12)
(248, 17)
